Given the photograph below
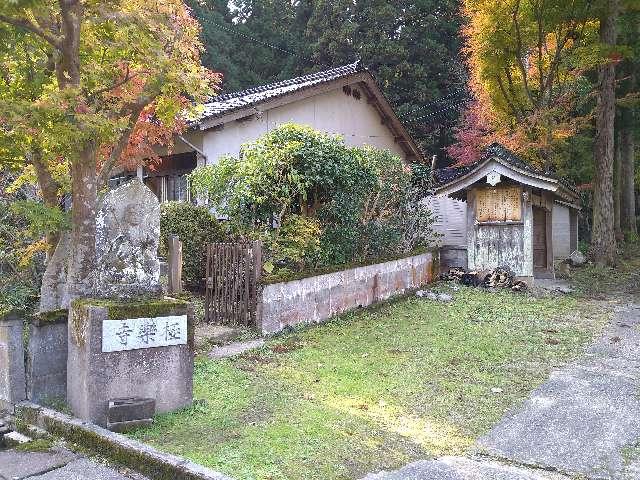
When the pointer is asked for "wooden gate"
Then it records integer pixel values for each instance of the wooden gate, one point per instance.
(232, 281)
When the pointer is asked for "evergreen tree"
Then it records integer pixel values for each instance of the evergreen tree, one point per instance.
(217, 35)
(412, 47)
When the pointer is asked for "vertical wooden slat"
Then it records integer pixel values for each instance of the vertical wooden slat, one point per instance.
(229, 277)
(235, 284)
(225, 283)
(257, 268)
(216, 276)
(232, 282)
(207, 291)
(246, 291)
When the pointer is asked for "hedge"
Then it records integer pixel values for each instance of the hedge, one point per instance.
(195, 227)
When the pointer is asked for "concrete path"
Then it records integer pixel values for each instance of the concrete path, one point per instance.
(234, 349)
(460, 468)
(586, 418)
(584, 422)
(55, 464)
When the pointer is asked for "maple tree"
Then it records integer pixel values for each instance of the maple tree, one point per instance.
(526, 60)
(543, 73)
(88, 86)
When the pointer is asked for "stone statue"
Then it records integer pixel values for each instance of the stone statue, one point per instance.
(127, 237)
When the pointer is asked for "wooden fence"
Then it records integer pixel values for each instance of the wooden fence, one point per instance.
(232, 283)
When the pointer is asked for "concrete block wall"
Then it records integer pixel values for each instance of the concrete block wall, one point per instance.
(315, 299)
(47, 358)
(12, 374)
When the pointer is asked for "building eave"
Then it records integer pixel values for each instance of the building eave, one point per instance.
(506, 169)
(373, 95)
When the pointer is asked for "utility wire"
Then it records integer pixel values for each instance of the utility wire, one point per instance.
(436, 102)
(394, 89)
(437, 112)
(249, 37)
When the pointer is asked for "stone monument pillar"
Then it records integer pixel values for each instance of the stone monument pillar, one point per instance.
(129, 342)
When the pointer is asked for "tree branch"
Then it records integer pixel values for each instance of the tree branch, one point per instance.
(127, 77)
(53, 40)
(123, 141)
(523, 71)
(505, 95)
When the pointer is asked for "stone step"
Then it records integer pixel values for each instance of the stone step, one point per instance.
(234, 349)
(13, 439)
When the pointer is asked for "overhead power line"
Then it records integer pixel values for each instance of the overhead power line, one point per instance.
(443, 100)
(253, 39)
(437, 112)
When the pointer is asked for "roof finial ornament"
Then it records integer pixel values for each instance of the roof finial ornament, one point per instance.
(493, 178)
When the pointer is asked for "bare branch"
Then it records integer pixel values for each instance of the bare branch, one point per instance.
(50, 38)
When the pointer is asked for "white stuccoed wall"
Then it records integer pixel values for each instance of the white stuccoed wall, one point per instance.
(331, 112)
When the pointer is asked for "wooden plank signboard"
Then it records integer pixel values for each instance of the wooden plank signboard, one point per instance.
(499, 204)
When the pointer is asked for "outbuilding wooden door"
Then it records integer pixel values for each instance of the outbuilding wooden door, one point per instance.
(539, 238)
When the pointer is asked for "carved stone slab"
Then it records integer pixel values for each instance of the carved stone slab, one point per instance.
(127, 237)
(136, 333)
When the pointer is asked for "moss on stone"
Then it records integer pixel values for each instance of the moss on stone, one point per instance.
(39, 445)
(48, 318)
(77, 324)
(139, 308)
(93, 442)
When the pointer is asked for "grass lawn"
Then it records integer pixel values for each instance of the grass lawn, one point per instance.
(374, 389)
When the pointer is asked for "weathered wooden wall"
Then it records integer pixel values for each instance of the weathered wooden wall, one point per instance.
(500, 244)
(450, 220)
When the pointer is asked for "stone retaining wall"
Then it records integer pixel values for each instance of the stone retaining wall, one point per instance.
(315, 299)
(12, 377)
(47, 358)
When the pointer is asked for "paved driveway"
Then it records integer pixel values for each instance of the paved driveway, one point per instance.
(56, 464)
(584, 422)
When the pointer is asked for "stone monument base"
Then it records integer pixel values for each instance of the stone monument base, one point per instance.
(117, 350)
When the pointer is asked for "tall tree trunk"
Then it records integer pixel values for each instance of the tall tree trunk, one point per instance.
(49, 191)
(627, 167)
(627, 159)
(617, 181)
(603, 241)
(82, 252)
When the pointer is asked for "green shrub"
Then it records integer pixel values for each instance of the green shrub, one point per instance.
(291, 245)
(195, 226)
(317, 202)
(21, 249)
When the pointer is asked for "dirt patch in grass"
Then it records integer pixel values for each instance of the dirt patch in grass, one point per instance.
(377, 388)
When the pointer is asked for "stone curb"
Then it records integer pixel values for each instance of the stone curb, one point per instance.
(123, 450)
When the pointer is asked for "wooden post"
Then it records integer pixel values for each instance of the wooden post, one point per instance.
(256, 291)
(175, 265)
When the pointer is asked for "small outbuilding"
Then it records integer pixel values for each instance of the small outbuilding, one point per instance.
(516, 215)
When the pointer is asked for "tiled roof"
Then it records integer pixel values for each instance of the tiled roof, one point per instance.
(224, 104)
(446, 175)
